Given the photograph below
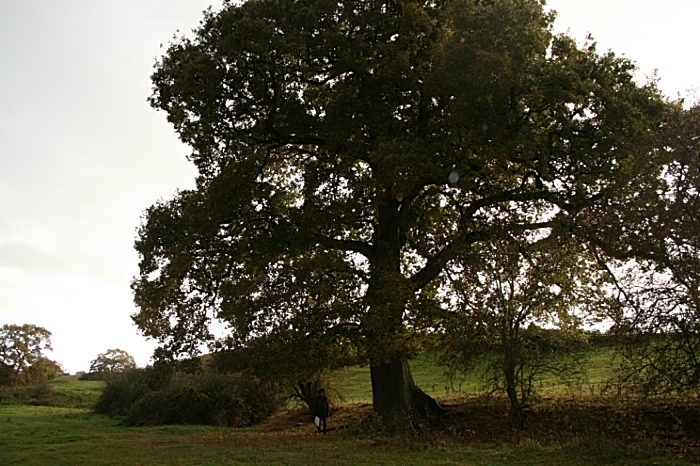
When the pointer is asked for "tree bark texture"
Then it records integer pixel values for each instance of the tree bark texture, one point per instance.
(396, 397)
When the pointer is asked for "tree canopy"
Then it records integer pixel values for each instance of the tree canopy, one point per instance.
(518, 306)
(651, 237)
(22, 358)
(113, 360)
(350, 151)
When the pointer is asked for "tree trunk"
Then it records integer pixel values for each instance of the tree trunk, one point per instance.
(517, 414)
(510, 350)
(308, 391)
(396, 397)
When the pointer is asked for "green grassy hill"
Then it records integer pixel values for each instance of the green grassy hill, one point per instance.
(430, 376)
(66, 392)
(433, 379)
(69, 391)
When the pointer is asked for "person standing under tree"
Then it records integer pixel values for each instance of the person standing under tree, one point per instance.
(321, 410)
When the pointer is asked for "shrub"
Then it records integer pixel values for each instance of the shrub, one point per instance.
(122, 391)
(92, 376)
(98, 376)
(39, 395)
(146, 397)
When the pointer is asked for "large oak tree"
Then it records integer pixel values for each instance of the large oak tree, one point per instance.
(22, 358)
(112, 360)
(349, 150)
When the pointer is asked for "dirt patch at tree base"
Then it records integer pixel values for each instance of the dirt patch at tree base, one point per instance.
(589, 426)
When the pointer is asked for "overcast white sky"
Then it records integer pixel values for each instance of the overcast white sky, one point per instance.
(82, 155)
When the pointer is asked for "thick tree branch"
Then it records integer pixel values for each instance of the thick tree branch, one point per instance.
(359, 247)
(437, 263)
(515, 195)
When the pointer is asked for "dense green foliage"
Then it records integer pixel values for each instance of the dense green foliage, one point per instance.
(124, 390)
(109, 363)
(150, 397)
(22, 358)
(352, 153)
(113, 360)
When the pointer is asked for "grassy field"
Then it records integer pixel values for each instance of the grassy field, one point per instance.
(474, 433)
(357, 386)
(34, 435)
(432, 378)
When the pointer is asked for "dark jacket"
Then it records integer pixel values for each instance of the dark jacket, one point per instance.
(321, 408)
